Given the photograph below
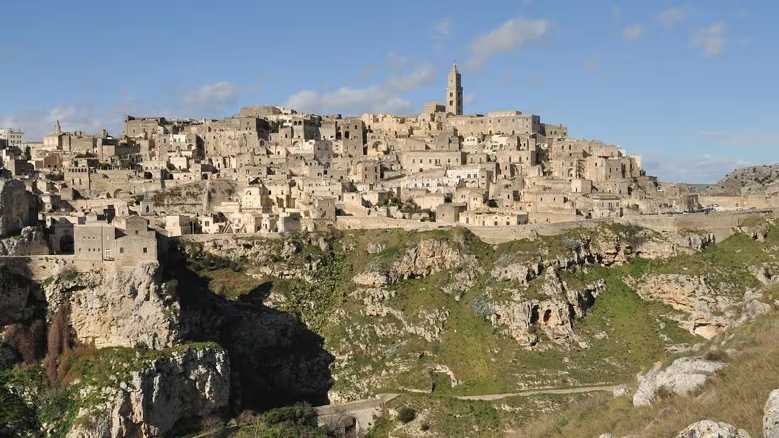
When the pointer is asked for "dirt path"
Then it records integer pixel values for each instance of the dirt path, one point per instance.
(529, 392)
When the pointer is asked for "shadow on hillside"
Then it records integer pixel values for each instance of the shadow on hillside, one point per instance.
(22, 315)
(258, 295)
(275, 359)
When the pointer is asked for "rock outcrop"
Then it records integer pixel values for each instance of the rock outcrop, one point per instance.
(703, 311)
(31, 241)
(18, 207)
(771, 415)
(682, 377)
(428, 257)
(712, 429)
(120, 308)
(552, 312)
(149, 400)
(18, 296)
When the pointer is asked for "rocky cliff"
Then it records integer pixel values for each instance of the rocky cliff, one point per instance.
(151, 392)
(30, 241)
(18, 207)
(118, 308)
(747, 180)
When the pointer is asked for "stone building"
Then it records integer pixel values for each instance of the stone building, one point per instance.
(126, 241)
(454, 92)
(12, 138)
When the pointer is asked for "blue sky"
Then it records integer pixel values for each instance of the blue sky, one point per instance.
(691, 86)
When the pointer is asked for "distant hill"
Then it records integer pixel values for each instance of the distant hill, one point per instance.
(747, 180)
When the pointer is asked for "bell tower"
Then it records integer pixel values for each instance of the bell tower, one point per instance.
(454, 93)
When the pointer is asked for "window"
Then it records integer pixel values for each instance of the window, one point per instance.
(121, 250)
(145, 250)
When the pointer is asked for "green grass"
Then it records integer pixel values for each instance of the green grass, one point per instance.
(625, 333)
(229, 283)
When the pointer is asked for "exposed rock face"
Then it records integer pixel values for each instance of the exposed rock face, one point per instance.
(429, 324)
(123, 308)
(17, 295)
(705, 312)
(426, 258)
(269, 258)
(192, 382)
(519, 272)
(275, 358)
(712, 429)
(757, 232)
(371, 279)
(698, 242)
(31, 241)
(553, 312)
(18, 207)
(771, 415)
(682, 377)
(747, 180)
(765, 274)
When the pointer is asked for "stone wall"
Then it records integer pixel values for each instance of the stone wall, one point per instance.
(721, 224)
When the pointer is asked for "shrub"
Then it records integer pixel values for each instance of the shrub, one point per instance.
(406, 414)
(716, 356)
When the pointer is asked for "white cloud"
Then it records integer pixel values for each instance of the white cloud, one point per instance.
(39, 123)
(384, 97)
(442, 29)
(511, 35)
(710, 39)
(632, 32)
(212, 97)
(703, 169)
(672, 16)
(418, 77)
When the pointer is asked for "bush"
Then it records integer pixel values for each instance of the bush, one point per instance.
(716, 356)
(406, 414)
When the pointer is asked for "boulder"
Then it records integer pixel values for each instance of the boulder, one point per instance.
(712, 429)
(683, 377)
(371, 279)
(771, 415)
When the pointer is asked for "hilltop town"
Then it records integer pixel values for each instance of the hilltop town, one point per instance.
(442, 274)
(270, 170)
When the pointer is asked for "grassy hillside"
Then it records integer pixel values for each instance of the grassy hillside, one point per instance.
(736, 395)
(430, 359)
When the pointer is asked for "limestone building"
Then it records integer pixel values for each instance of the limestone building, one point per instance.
(454, 92)
(12, 137)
